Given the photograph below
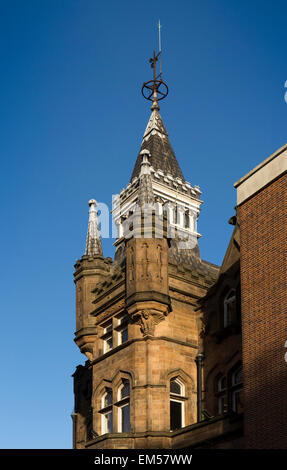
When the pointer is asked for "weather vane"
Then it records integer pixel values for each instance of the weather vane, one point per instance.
(156, 89)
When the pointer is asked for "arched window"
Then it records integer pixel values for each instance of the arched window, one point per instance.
(237, 390)
(176, 404)
(228, 391)
(123, 404)
(221, 394)
(229, 308)
(107, 411)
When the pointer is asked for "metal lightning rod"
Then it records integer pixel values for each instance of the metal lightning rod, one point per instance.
(156, 89)
(159, 47)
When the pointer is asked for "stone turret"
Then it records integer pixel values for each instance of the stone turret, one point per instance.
(147, 297)
(89, 270)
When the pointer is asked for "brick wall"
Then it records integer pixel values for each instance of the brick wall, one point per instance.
(263, 232)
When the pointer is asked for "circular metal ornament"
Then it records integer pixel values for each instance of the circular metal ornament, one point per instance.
(159, 86)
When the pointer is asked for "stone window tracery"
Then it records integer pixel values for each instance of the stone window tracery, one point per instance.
(115, 332)
(229, 391)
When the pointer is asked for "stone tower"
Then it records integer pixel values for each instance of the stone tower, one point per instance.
(136, 316)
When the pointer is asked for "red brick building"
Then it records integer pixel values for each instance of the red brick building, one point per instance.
(262, 211)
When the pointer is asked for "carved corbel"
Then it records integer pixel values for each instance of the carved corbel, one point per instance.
(88, 351)
(147, 320)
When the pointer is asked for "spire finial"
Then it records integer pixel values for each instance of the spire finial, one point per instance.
(156, 89)
(94, 243)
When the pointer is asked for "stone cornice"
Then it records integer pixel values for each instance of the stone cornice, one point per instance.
(109, 303)
(215, 428)
(263, 174)
(145, 338)
(88, 330)
(148, 296)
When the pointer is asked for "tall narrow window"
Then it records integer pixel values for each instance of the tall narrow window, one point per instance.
(186, 219)
(107, 411)
(237, 390)
(229, 308)
(221, 393)
(176, 404)
(122, 328)
(175, 215)
(108, 335)
(124, 406)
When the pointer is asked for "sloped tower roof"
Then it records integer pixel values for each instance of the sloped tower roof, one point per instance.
(156, 141)
(157, 178)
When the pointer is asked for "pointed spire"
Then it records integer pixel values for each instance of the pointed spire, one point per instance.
(156, 141)
(155, 138)
(155, 126)
(146, 195)
(94, 243)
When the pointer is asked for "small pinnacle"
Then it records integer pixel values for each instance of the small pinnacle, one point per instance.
(146, 195)
(92, 202)
(93, 244)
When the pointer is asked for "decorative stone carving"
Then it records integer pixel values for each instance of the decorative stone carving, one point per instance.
(144, 265)
(204, 327)
(148, 319)
(159, 262)
(115, 308)
(147, 324)
(131, 264)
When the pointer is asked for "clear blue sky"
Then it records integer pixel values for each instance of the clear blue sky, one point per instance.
(72, 118)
